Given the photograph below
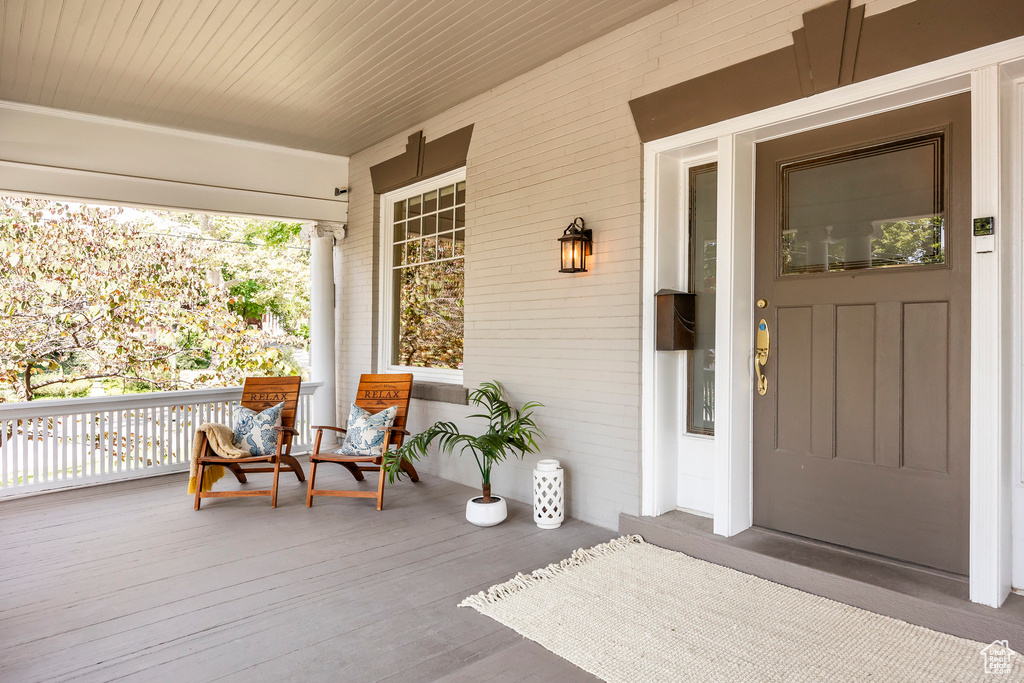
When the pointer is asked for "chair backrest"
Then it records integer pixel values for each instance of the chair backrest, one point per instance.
(377, 392)
(260, 393)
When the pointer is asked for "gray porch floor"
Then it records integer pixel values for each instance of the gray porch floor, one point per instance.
(126, 582)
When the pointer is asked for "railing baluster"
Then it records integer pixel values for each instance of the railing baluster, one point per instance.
(115, 440)
(30, 448)
(149, 453)
(15, 454)
(58, 450)
(74, 445)
(163, 455)
(46, 447)
(100, 457)
(179, 424)
(172, 430)
(89, 444)
(4, 454)
(108, 466)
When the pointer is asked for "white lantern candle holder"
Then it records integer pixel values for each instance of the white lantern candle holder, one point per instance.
(548, 494)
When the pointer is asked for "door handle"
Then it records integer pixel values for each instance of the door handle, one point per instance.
(761, 356)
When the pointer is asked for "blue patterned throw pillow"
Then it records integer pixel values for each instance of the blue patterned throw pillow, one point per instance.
(365, 433)
(254, 432)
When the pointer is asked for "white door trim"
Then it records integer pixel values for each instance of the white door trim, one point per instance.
(977, 71)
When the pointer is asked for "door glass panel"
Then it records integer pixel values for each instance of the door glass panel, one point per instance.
(703, 260)
(875, 207)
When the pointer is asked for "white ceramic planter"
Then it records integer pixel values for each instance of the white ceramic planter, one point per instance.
(486, 514)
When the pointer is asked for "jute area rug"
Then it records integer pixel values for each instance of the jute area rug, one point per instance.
(630, 611)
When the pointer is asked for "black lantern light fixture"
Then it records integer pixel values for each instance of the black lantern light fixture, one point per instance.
(577, 244)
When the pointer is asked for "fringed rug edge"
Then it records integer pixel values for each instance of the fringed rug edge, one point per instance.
(519, 582)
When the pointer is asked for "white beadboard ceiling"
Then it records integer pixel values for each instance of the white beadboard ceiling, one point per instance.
(322, 75)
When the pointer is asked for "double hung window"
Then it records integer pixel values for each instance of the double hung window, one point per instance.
(423, 278)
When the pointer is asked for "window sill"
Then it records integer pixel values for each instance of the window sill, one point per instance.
(443, 392)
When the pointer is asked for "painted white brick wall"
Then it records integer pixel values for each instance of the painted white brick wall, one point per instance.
(556, 143)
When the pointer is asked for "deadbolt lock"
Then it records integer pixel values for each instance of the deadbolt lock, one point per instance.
(761, 356)
(762, 303)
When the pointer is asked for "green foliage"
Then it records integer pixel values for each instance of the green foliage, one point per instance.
(910, 241)
(104, 297)
(510, 432)
(123, 385)
(273, 233)
(79, 389)
(266, 268)
(245, 299)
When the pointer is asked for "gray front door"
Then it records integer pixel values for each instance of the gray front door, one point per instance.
(862, 260)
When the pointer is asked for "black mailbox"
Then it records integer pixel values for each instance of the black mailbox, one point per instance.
(675, 326)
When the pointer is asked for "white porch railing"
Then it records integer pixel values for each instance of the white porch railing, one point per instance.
(83, 441)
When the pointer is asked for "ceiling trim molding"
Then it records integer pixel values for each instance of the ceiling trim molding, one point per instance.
(836, 46)
(49, 152)
(166, 130)
(422, 160)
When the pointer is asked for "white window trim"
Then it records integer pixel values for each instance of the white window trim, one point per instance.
(387, 231)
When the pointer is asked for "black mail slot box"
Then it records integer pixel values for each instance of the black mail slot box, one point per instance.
(675, 323)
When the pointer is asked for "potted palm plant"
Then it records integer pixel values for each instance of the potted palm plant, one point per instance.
(510, 431)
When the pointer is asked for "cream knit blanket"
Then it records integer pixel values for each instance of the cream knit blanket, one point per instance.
(221, 440)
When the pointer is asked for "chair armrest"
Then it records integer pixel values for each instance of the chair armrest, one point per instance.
(333, 429)
(399, 430)
(287, 429)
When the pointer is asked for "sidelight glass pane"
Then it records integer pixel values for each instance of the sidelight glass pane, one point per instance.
(703, 271)
(876, 207)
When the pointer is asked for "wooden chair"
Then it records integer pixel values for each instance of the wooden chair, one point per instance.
(375, 393)
(260, 393)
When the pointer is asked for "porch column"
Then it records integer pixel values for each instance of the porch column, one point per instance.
(321, 323)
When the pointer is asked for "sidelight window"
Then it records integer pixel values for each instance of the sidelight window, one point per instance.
(703, 233)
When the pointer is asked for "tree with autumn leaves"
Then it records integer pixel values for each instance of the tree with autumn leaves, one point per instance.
(108, 298)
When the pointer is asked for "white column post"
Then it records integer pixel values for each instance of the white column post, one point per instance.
(990, 468)
(734, 336)
(321, 324)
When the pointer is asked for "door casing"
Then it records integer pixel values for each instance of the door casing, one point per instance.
(986, 73)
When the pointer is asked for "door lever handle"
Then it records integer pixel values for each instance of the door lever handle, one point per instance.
(761, 356)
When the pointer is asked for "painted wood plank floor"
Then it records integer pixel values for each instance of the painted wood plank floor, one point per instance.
(126, 582)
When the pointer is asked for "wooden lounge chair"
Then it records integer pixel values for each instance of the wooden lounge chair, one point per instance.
(260, 393)
(375, 393)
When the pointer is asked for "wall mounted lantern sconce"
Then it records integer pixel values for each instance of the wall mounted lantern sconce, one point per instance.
(577, 244)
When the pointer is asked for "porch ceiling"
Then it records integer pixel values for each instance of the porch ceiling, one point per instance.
(323, 75)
